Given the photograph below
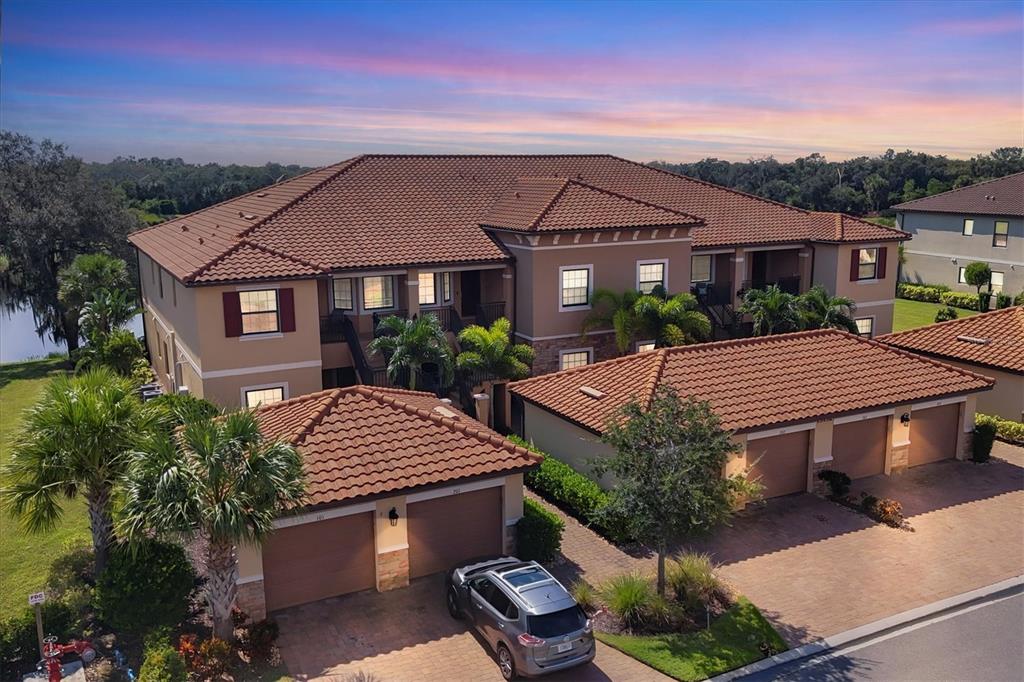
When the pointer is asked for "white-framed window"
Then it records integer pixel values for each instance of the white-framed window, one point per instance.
(961, 277)
(427, 288)
(642, 346)
(259, 311)
(997, 282)
(378, 292)
(343, 296)
(700, 268)
(868, 264)
(446, 286)
(574, 357)
(1001, 234)
(968, 227)
(651, 273)
(575, 286)
(254, 396)
(865, 326)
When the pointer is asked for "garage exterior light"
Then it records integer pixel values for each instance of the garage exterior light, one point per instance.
(393, 516)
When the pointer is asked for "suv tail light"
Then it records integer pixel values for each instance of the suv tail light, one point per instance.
(526, 639)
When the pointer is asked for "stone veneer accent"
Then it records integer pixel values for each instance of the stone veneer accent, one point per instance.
(546, 350)
(512, 539)
(900, 459)
(251, 598)
(393, 569)
(818, 486)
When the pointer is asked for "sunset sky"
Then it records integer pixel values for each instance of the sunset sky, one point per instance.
(315, 82)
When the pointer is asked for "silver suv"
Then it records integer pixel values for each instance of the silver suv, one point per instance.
(527, 617)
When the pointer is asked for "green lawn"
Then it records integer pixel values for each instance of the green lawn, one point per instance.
(25, 559)
(909, 314)
(732, 641)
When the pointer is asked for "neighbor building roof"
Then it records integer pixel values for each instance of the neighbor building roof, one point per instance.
(994, 339)
(362, 441)
(755, 383)
(1001, 197)
(381, 211)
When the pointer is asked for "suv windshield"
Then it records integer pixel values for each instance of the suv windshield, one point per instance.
(558, 623)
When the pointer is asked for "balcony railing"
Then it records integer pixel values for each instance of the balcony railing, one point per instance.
(790, 285)
(487, 313)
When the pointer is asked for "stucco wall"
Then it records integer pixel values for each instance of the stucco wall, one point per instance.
(874, 298)
(1006, 399)
(565, 441)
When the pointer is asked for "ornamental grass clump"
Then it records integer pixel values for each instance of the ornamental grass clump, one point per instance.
(693, 579)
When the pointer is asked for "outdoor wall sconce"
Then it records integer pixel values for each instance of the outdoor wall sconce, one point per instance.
(905, 418)
(393, 516)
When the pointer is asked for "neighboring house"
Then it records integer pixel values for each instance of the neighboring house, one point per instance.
(400, 486)
(276, 293)
(991, 343)
(982, 222)
(798, 403)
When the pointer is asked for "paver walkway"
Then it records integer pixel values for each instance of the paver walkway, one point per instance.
(815, 568)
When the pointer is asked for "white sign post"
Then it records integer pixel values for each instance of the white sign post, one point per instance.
(36, 600)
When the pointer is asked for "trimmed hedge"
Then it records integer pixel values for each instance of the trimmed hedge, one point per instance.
(1019, 299)
(930, 293)
(145, 587)
(539, 533)
(981, 444)
(959, 300)
(1007, 429)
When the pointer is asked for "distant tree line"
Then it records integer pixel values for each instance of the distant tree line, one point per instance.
(861, 186)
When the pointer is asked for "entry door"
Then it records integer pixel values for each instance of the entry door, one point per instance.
(470, 291)
(759, 268)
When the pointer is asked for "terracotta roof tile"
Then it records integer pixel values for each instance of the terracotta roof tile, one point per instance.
(1002, 196)
(383, 210)
(362, 440)
(994, 339)
(755, 383)
(250, 261)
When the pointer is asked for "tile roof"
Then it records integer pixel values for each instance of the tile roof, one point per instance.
(1002, 196)
(402, 210)
(994, 339)
(543, 204)
(361, 440)
(755, 383)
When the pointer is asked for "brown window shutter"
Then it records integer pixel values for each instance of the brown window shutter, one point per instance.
(855, 265)
(232, 314)
(880, 269)
(286, 302)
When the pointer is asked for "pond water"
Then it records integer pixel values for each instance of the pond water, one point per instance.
(19, 341)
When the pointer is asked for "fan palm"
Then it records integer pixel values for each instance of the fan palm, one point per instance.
(773, 310)
(609, 309)
(820, 310)
(671, 320)
(218, 479)
(77, 440)
(407, 345)
(489, 350)
(107, 311)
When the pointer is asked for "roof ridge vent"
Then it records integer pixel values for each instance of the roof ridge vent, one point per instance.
(592, 392)
(974, 339)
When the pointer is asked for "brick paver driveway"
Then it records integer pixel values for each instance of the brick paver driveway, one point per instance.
(407, 636)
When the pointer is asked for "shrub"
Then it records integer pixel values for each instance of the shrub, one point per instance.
(693, 580)
(585, 595)
(258, 640)
(213, 658)
(1007, 429)
(539, 532)
(161, 663)
(838, 483)
(946, 313)
(959, 300)
(1003, 300)
(1019, 298)
(146, 587)
(18, 639)
(981, 443)
(920, 292)
(631, 597)
(884, 510)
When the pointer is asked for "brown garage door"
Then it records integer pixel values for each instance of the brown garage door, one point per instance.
(318, 560)
(782, 468)
(933, 434)
(446, 530)
(858, 448)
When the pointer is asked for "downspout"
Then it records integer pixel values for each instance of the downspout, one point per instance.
(138, 295)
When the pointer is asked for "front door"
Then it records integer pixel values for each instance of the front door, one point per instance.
(470, 291)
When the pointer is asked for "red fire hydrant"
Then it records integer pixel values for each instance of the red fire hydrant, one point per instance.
(53, 652)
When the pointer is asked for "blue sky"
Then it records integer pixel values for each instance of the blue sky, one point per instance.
(314, 82)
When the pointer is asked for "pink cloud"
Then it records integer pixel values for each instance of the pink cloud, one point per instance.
(1008, 23)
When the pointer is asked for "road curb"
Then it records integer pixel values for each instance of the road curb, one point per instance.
(871, 629)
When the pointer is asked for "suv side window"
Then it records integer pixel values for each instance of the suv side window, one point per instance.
(499, 600)
(483, 586)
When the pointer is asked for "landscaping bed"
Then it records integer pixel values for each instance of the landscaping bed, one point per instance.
(909, 314)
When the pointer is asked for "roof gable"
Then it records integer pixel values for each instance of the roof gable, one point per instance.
(1001, 196)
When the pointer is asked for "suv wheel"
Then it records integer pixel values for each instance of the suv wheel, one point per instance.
(505, 663)
(452, 599)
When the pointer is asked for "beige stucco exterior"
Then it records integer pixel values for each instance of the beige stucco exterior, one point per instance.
(874, 298)
(565, 441)
(1006, 399)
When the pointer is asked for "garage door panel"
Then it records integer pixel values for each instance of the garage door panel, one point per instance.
(933, 434)
(781, 463)
(446, 530)
(858, 448)
(314, 561)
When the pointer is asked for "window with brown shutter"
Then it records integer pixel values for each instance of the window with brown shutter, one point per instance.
(286, 298)
(880, 270)
(232, 314)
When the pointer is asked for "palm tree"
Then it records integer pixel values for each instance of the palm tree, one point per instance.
(218, 479)
(610, 309)
(107, 311)
(77, 440)
(407, 345)
(820, 310)
(774, 311)
(491, 351)
(671, 320)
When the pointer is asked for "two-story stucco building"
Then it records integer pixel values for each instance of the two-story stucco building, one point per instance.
(982, 222)
(276, 293)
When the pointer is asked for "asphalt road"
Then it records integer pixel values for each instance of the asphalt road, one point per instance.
(983, 641)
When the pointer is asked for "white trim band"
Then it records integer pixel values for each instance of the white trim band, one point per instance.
(249, 579)
(872, 304)
(756, 435)
(392, 548)
(217, 373)
(592, 245)
(454, 490)
(336, 512)
(565, 336)
(959, 256)
(936, 403)
(864, 416)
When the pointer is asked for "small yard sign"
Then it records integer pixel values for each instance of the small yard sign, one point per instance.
(36, 598)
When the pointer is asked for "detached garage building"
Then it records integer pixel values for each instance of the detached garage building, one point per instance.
(401, 485)
(799, 403)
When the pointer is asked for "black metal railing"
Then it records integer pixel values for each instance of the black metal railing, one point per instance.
(355, 348)
(487, 313)
(377, 317)
(330, 328)
(790, 285)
